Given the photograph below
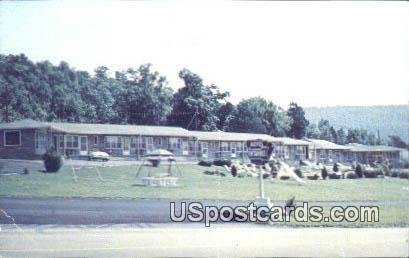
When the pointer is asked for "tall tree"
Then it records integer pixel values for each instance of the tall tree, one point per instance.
(298, 122)
(225, 115)
(195, 105)
(342, 138)
(258, 115)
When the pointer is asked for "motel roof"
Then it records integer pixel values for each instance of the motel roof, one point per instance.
(290, 141)
(326, 145)
(356, 147)
(230, 136)
(98, 129)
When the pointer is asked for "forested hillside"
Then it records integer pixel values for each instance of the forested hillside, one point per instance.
(389, 120)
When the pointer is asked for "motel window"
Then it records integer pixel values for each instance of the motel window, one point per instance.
(134, 142)
(61, 141)
(225, 146)
(174, 143)
(12, 138)
(71, 141)
(113, 142)
(239, 146)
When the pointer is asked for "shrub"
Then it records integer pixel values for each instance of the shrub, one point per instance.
(335, 167)
(298, 172)
(284, 177)
(222, 162)
(314, 177)
(352, 175)
(333, 176)
(205, 163)
(404, 175)
(394, 174)
(234, 171)
(52, 161)
(371, 174)
(324, 173)
(25, 171)
(358, 170)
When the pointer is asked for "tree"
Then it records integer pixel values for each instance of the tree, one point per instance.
(341, 136)
(353, 136)
(225, 114)
(195, 105)
(258, 115)
(325, 130)
(396, 141)
(312, 131)
(298, 123)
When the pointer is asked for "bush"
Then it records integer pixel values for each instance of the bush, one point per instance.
(284, 177)
(205, 163)
(394, 174)
(404, 175)
(358, 170)
(371, 174)
(352, 175)
(324, 173)
(333, 176)
(52, 161)
(234, 171)
(335, 167)
(314, 177)
(298, 172)
(222, 162)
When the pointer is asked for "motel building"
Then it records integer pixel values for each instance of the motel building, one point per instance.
(368, 154)
(326, 152)
(29, 139)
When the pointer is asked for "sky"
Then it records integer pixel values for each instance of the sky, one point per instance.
(312, 53)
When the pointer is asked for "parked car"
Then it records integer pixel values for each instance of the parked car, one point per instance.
(98, 155)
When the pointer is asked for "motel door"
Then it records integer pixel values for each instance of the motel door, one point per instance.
(126, 149)
(40, 142)
(83, 145)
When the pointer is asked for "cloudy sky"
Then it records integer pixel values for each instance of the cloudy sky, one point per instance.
(314, 53)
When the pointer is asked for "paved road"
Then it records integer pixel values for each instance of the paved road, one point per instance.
(74, 211)
(220, 240)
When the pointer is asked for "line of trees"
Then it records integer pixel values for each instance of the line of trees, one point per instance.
(43, 91)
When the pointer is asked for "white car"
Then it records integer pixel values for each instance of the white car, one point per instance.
(98, 155)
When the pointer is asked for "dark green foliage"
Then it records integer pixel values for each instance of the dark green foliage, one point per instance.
(298, 123)
(205, 163)
(371, 174)
(284, 177)
(298, 172)
(52, 161)
(404, 175)
(222, 162)
(335, 167)
(257, 115)
(333, 176)
(234, 171)
(313, 177)
(324, 173)
(358, 171)
(195, 105)
(352, 176)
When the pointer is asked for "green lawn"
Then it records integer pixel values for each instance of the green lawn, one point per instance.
(122, 182)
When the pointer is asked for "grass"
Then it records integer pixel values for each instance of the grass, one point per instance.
(122, 182)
